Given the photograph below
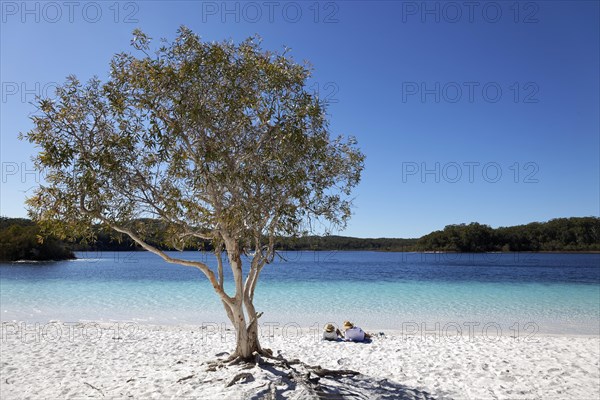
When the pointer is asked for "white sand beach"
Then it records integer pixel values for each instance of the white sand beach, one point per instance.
(170, 362)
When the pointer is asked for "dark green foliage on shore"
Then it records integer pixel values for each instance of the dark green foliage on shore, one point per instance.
(12, 232)
(155, 234)
(20, 240)
(106, 242)
(561, 234)
(345, 243)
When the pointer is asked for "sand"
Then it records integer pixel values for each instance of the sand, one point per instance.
(91, 360)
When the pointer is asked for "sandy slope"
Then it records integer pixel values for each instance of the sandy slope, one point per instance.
(150, 361)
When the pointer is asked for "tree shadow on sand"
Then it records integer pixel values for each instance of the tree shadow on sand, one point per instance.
(294, 379)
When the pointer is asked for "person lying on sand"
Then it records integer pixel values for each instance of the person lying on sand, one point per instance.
(331, 332)
(354, 333)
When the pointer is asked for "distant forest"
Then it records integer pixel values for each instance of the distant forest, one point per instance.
(20, 239)
(560, 234)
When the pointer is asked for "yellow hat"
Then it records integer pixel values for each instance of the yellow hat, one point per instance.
(348, 325)
(329, 328)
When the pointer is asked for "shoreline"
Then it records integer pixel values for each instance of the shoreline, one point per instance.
(75, 258)
(266, 330)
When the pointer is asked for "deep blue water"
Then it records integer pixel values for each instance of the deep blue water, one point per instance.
(560, 293)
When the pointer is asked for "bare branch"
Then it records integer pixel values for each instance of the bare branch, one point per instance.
(195, 264)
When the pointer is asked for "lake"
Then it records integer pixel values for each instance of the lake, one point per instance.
(533, 292)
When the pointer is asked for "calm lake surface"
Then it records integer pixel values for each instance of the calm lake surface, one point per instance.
(547, 293)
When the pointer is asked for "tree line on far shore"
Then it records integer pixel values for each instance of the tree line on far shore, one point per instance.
(21, 239)
(560, 234)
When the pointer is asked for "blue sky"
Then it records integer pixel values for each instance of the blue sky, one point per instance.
(485, 113)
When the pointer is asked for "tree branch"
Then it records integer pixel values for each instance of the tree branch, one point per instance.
(195, 264)
(172, 260)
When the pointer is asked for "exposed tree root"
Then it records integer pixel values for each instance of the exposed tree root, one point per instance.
(306, 381)
(322, 372)
(235, 361)
(296, 378)
(244, 376)
(292, 373)
(185, 378)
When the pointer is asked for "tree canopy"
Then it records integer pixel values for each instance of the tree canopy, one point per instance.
(218, 141)
(210, 138)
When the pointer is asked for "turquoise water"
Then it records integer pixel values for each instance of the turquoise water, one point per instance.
(557, 293)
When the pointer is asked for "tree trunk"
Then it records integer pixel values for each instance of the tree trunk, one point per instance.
(245, 323)
(246, 336)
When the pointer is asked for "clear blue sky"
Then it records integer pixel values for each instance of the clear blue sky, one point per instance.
(485, 113)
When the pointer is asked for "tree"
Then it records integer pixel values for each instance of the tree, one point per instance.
(220, 142)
